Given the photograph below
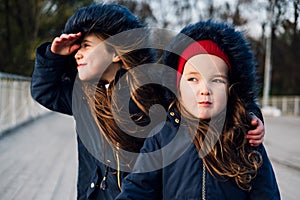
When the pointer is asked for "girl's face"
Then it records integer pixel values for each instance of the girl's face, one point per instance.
(203, 86)
(94, 61)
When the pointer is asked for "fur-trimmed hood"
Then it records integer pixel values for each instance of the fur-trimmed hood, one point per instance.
(231, 42)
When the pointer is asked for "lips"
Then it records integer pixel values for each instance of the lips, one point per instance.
(80, 65)
(204, 103)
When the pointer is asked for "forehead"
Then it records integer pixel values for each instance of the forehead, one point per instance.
(92, 37)
(205, 64)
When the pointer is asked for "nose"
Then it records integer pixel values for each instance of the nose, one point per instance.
(204, 88)
(78, 55)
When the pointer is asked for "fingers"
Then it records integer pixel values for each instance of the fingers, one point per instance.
(71, 36)
(65, 43)
(255, 143)
(255, 140)
(256, 135)
(67, 37)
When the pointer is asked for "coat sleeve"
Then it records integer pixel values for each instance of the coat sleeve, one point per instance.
(143, 184)
(53, 79)
(253, 107)
(265, 185)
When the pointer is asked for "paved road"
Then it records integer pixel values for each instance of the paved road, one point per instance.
(39, 161)
(282, 142)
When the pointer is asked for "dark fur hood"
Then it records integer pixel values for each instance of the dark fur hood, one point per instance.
(232, 42)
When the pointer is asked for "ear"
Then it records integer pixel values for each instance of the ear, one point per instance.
(116, 58)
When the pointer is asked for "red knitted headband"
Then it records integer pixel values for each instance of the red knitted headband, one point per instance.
(200, 47)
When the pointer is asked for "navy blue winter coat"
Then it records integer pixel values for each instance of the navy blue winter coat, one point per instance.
(52, 86)
(182, 175)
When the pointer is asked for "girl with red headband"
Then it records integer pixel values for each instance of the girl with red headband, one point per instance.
(202, 151)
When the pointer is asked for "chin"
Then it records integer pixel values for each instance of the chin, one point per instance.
(84, 78)
(205, 117)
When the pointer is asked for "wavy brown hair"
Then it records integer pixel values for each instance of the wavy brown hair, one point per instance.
(230, 156)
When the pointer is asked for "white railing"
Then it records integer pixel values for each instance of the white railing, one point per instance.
(288, 105)
(16, 104)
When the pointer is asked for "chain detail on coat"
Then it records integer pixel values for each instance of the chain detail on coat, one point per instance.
(203, 182)
(118, 170)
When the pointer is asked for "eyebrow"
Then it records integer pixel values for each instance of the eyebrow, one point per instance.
(85, 40)
(222, 76)
(218, 75)
(193, 73)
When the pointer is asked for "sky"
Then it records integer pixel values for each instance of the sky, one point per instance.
(255, 13)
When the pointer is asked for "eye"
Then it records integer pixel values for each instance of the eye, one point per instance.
(219, 80)
(192, 79)
(84, 45)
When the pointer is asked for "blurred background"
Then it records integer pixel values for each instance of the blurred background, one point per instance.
(271, 26)
(27, 154)
(23, 26)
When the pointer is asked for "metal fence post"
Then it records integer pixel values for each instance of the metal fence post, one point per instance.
(296, 106)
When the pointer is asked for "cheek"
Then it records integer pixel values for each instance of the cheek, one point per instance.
(221, 97)
(187, 94)
(188, 100)
(100, 58)
(100, 63)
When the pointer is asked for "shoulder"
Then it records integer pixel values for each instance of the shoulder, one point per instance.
(174, 117)
(165, 132)
(170, 126)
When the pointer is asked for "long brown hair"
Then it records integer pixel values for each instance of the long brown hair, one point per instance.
(231, 156)
(103, 101)
(115, 25)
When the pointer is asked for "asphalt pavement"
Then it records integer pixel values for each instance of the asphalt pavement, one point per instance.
(39, 161)
(282, 141)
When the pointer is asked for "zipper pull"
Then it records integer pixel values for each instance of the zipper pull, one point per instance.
(103, 184)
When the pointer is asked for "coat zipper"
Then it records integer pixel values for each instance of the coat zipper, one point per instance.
(203, 182)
